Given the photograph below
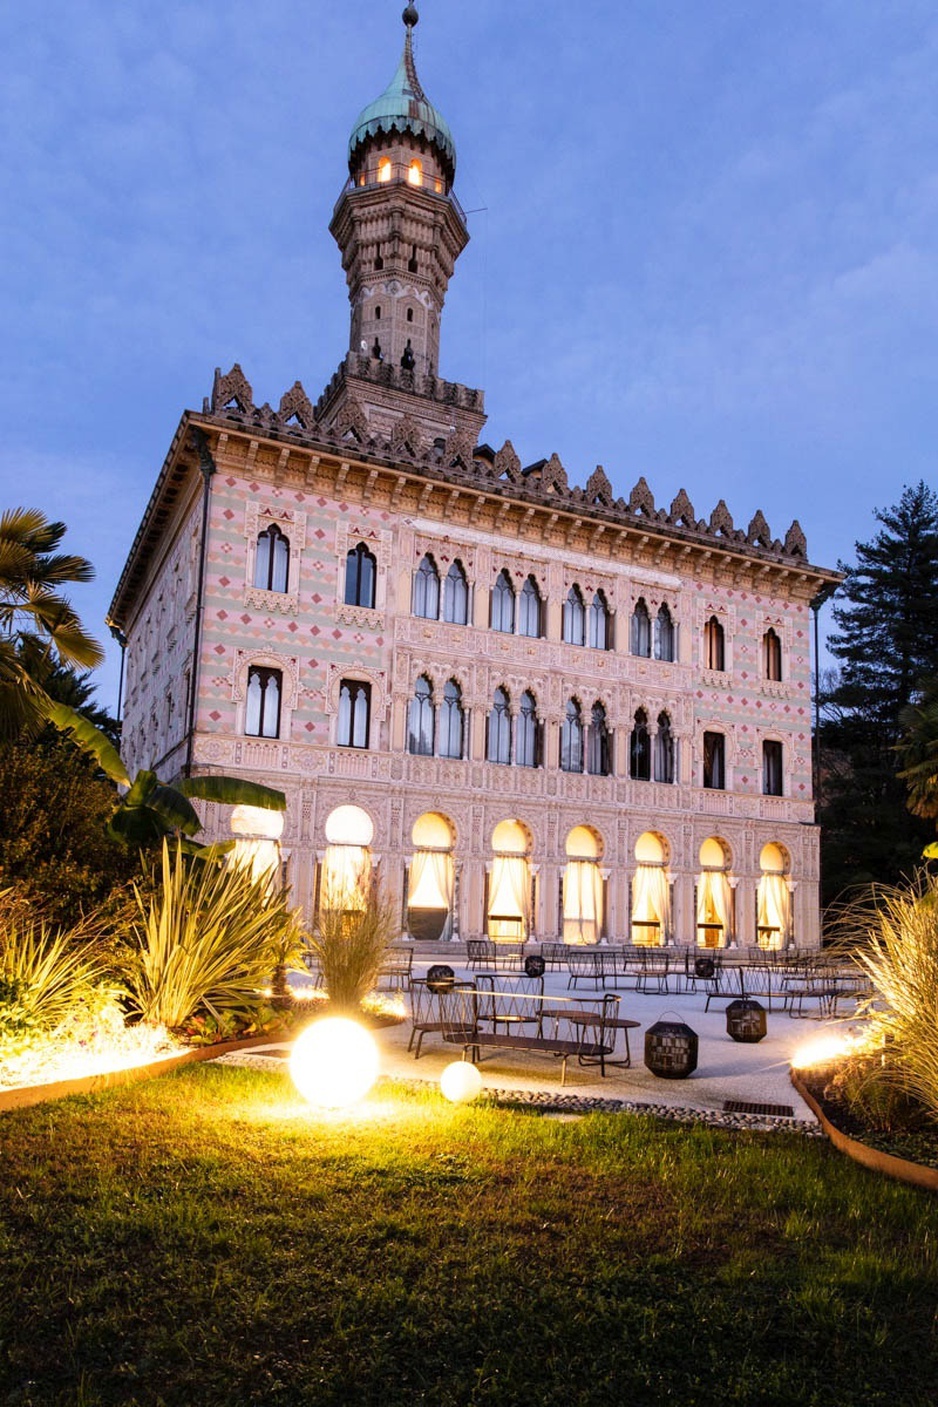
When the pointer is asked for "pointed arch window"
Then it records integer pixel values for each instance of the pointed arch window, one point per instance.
(272, 563)
(772, 656)
(714, 761)
(360, 574)
(574, 618)
(498, 742)
(354, 714)
(503, 604)
(384, 169)
(664, 635)
(640, 631)
(571, 739)
(415, 173)
(714, 645)
(640, 748)
(771, 768)
(598, 744)
(600, 623)
(456, 596)
(427, 589)
(452, 721)
(262, 714)
(664, 750)
(528, 737)
(530, 610)
(420, 720)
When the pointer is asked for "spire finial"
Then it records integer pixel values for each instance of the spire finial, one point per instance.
(410, 16)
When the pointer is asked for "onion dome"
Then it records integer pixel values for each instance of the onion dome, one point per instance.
(404, 107)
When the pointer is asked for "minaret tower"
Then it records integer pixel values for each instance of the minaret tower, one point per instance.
(397, 223)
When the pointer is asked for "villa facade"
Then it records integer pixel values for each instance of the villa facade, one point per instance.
(536, 709)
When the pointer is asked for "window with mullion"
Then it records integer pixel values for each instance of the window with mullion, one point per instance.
(498, 742)
(456, 596)
(574, 618)
(503, 604)
(360, 565)
(420, 720)
(529, 610)
(262, 712)
(528, 737)
(640, 748)
(571, 739)
(452, 721)
(354, 714)
(272, 563)
(427, 590)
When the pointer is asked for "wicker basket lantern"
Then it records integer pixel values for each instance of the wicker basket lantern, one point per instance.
(671, 1049)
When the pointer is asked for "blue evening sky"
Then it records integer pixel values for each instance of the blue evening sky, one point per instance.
(709, 249)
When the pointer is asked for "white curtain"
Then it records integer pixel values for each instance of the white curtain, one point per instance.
(346, 875)
(714, 900)
(773, 910)
(510, 894)
(582, 902)
(651, 903)
(433, 883)
(260, 857)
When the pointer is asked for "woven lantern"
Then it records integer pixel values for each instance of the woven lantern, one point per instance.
(441, 978)
(534, 965)
(745, 1020)
(671, 1049)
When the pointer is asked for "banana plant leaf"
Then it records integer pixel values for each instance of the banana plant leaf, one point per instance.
(90, 739)
(931, 851)
(233, 791)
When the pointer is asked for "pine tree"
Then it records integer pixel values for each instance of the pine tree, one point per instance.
(887, 642)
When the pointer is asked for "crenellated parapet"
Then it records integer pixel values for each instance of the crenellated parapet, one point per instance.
(430, 423)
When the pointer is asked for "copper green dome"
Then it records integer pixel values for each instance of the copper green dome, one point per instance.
(404, 107)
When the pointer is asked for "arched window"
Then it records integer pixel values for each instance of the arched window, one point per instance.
(640, 748)
(498, 743)
(664, 750)
(415, 173)
(714, 652)
(529, 610)
(640, 633)
(360, 573)
(571, 739)
(771, 656)
(452, 721)
(427, 589)
(771, 768)
(664, 635)
(420, 720)
(503, 604)
(262, 714)
(600, 633)
(354, 713)
(384, 169)
(272, 563)
(574, 617)
(528, 736)
(456, 596)
(598, 749)
(714, 761)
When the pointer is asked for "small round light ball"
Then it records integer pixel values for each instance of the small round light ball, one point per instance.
(460, 1082)
(334, 1062)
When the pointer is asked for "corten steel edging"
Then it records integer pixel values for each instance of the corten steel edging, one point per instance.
(25, 1096)
(886, 1163)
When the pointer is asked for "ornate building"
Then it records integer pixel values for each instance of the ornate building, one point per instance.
(541, 710)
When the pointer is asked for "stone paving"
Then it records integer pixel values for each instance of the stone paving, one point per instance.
(727, 1070)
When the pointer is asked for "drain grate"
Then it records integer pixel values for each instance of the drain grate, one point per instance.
(775, 1111)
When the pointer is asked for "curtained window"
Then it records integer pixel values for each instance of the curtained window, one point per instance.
(272, 563)
(503, 604)
(664, 635)
(354, 714)
(456, 596)
(360, 571)
(772, 656)
(714, 645)
(600, 623)
(420, 720)
(427, 590)
(498, 743)
(598, 744)
(574, 617)
(528, 739)
(451, 721)
(571, 739)
(640, 630)
(640, 748)
(529, 610)
(262, 714)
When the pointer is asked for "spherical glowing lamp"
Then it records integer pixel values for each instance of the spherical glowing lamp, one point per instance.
(461, 1082)
(334, 1062)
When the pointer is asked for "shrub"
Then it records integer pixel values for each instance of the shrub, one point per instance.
(900, 956)
(206, 937)
(351, 942)
(46, 975)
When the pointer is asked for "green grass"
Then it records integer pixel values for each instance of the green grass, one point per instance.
(204, 1238)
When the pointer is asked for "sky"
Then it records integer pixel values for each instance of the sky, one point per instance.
(704, 241)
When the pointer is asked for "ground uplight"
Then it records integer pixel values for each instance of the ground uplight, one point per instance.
(334, 1062)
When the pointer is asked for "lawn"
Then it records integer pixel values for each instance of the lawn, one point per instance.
(205, 1238)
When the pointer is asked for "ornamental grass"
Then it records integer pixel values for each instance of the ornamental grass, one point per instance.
(355, 930)
(207, 937)
(900, 956)
(46, 975)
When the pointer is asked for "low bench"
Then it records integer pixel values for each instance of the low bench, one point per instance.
(483, 1015)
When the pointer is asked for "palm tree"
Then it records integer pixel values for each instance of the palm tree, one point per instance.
(918, 752)
(32, 571)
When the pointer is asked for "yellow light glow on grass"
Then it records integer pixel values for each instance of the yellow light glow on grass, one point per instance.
(461, 1082)
(334, 1062)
